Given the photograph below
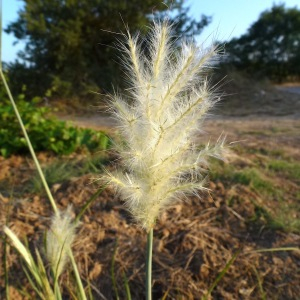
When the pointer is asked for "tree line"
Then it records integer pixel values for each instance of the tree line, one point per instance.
(71, 49)
(271, 46)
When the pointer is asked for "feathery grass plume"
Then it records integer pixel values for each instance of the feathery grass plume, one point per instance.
(59, 240)
(170, 97)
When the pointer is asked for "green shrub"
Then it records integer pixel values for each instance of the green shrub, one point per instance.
(46, 132)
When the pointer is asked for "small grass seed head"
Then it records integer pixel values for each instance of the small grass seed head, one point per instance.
(59, 239)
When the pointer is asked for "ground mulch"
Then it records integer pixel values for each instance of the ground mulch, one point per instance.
(193, 242)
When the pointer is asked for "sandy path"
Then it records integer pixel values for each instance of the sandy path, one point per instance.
(290, 89)
(263, 129)
(95, 121)
(268, 119)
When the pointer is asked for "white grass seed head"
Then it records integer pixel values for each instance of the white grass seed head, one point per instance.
(59, 240)
(170, 95)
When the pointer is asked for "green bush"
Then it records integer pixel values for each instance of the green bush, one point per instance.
(46, 132)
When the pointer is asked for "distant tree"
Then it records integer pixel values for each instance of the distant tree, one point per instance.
(70, 44)
(271, 47)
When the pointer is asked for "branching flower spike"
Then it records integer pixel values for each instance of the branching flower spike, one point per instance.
(170, 95)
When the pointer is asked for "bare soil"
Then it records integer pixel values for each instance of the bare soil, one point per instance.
(195, 238)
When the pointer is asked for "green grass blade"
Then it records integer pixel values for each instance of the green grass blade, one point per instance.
(90, 293)
(89, 202)
(55, 274)
(42, 273)
(51, 199)
(127, 287)
(260, 285)
(37, 164)
(275, 250)
(0, 34)
(33, 285)
(165, 295)
(221, 275)
(112, 272)
(4, 262)
(77, 276)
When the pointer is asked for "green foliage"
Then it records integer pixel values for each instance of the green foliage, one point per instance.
(271, 46)
(46, 133)
(249, 177)
(290, 169)
(261, 213)
(70, 45)
(263, 178)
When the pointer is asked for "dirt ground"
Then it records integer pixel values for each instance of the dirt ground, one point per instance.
(195, 238)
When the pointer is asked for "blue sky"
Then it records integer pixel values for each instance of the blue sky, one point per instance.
(231, 18)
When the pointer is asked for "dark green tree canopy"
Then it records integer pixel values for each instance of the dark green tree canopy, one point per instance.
(271, 47)
(70, 44)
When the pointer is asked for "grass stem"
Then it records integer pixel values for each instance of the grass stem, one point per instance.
(22, 124)
(77, 276)
(0, 34)
(149, 265)
(112, 272)
(37, 164)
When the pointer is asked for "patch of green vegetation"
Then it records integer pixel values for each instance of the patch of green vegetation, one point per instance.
(285, 215)
(282, 217)
(269, 152)
(249, 177)
(46, 133)
(261, 184)
(255, 132)
(62, 170)
(220, 171)
(289, 169)
(260, 150)
(276, 152)
(275, 129)
(262, 214)
(282, 214)
(268, 131)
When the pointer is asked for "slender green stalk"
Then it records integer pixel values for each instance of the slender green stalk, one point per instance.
(221, 275)
(37, 164)
(127, 288)
(149, 265)
(39, 169)
(57, 291)
(0, 34)
(21, 123)
(77, 276)
(89, 202)
(4, 262)
(41, 174)
(275, 250)
(112, 272)
(260, 284)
